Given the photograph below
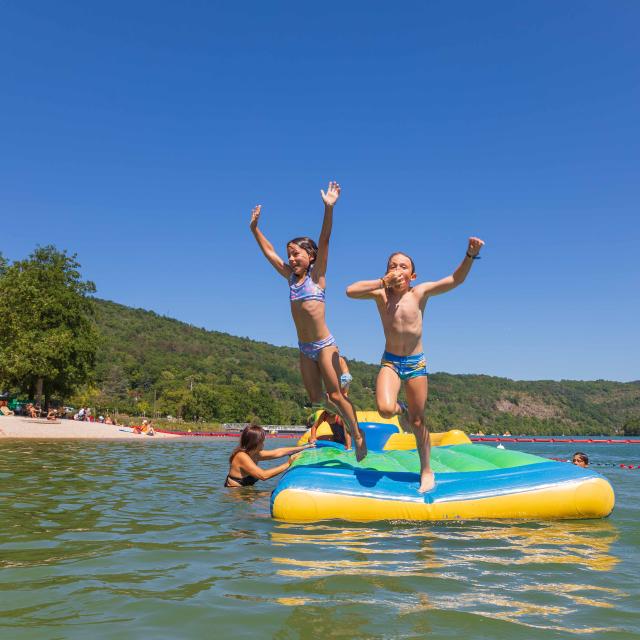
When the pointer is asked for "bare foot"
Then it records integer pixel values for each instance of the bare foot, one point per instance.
(427, 481)
(361, 446)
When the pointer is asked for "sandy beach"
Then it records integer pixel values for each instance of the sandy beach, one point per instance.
(19, 427)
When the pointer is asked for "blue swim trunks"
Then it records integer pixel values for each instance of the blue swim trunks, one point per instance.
(406, 367)
(312, 349)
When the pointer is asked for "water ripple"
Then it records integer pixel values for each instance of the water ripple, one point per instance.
(139, 539)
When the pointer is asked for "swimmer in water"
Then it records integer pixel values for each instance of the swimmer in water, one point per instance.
(243, 461)
(580, 459)
(305, 272)
(401, 309)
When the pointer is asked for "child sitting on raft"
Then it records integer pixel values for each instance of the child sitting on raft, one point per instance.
(338, 433)
(319, 357)
(401, 308)
(243, 461)
(336, 425)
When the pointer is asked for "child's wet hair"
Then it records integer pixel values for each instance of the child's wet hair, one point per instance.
(251, 438)
(401, 253)
(578, 456)
(306, 243)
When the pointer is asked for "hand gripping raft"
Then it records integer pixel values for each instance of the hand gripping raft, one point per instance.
(473, 481)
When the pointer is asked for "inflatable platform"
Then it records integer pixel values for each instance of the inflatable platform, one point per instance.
(473, 481)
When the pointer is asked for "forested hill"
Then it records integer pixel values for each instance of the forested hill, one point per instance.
(197, 374)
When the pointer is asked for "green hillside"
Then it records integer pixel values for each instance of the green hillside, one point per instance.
(146, 359)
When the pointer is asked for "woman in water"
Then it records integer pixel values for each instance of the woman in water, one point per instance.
(319, 357)
(243, 462)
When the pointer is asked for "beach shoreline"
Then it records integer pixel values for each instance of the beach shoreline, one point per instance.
(19, 427)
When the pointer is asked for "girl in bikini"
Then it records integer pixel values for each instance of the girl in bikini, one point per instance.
(319, 357)
(243, 462)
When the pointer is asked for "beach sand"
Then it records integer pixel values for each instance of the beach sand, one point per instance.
(19, 427)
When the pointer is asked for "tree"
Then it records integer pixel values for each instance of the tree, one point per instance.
(48, 339)
(631, 427)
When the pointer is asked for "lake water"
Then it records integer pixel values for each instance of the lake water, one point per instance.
(140, 540)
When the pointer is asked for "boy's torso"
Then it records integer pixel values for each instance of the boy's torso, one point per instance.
(401, 317)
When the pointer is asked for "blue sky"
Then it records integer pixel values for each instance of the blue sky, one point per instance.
(140, 135)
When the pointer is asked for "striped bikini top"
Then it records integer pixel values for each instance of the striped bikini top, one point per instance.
(306, 290)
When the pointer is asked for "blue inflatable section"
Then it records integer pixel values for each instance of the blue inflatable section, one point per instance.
(377, 434)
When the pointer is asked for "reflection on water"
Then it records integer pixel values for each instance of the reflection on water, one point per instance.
(475, 553)
(128, 540)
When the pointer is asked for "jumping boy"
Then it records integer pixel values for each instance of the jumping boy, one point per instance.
(401, 308)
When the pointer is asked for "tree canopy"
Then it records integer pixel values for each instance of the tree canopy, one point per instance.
(48, 337)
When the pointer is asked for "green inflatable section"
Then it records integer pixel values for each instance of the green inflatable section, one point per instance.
(454, 458)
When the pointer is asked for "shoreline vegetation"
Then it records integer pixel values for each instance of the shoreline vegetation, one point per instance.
(156, 366)
(62, 348)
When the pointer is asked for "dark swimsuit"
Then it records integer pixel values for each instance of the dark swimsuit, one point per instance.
(247, 481)
(337, 429)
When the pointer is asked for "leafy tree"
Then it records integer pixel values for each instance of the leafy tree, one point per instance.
(48, 339)
(631, 427)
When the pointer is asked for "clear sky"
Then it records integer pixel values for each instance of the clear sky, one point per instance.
(140, 135)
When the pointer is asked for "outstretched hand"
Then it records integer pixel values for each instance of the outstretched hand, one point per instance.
(332, 194)
(475, 244)
(255, 216)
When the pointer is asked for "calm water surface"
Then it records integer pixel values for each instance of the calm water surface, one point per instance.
(132, 540)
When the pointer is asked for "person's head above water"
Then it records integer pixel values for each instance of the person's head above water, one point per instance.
(401, 264)
(251, 440)
(302, 253)
(580, 459)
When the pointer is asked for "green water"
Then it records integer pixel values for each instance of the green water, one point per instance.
(140, 540)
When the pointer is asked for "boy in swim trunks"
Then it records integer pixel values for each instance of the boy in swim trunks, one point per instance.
(401, 308)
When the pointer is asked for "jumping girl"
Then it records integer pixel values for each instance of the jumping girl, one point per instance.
(319, 357)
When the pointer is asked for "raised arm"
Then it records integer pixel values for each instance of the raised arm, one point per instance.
(266, 247)
(371, 289)
(247, 465)
(314, 427)
(329, 198)
(273, 454)
(456, 278)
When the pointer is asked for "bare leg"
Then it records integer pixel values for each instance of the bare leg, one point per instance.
(387, 390)
(347, 439)
(329, 362)
(312, 380)
(417, 389)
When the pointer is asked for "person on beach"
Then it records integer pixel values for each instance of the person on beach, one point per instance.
(401, 309)
(146, 428)
(580, 459)
(4, 409)
(305, 271)
(243, 461)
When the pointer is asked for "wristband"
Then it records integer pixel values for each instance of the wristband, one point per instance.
(383, 285)
(472, 257)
